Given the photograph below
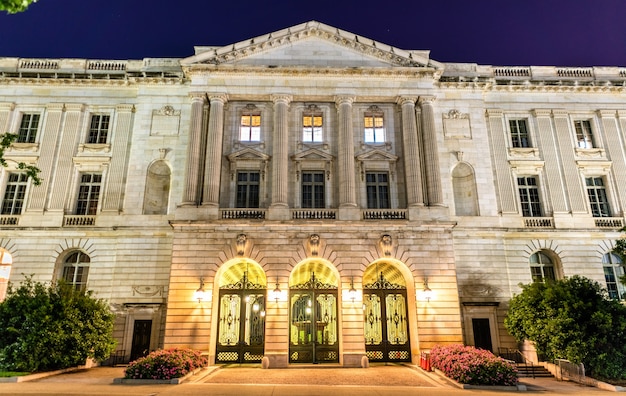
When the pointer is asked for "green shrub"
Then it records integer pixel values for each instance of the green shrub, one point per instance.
(468, 365)
(165, 364)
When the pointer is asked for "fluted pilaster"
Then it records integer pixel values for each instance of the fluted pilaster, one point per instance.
(213, 162)
(280, 159)
(412, 161)
(192, 173)
(345, 166)
(431, 152)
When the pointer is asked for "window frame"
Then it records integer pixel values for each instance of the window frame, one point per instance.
(532, 206)
(248, 201)
(20, 190)
(79, 269)
(615, 289)
(251, 127)
(98, 134)
(373, 190)
(312, 199)
(601, 201)
(376, 131)
(313, 135)
(88, 205)
(28, 133)
(516, 137)
(540, 266)
(585, 138)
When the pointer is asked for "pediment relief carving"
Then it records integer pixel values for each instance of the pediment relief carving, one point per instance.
(248, 154)
(377, 155)
(312, 155)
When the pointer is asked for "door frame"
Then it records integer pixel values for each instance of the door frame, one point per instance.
(482, 310)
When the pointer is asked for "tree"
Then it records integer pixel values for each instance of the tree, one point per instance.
(32, 171)
(15, 6)
(620, 250)
(572, 319)
(53, 327)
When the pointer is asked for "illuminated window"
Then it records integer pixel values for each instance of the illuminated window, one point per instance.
(312, 127)
(250, 128)
(374, 128)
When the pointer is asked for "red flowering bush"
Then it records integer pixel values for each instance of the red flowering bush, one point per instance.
(468, 365)
(165, 364)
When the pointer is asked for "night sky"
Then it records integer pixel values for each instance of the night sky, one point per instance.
(488, 32)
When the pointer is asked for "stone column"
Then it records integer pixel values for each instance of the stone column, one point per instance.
(280, 158)
(345, 166)
(431, 153)
(412, 161)
(213, 161)
(192, 172)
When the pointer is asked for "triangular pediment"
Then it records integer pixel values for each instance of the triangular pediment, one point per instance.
(248, 154)
(377, 155)
(311, 44)
(312, 155)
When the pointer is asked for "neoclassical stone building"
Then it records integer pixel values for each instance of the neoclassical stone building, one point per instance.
(310, 195)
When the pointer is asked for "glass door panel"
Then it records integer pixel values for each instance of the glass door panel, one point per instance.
(386, 325)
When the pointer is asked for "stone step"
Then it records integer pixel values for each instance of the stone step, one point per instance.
(530, 370)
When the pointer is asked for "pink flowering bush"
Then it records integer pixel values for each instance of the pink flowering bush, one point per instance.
(468, 365)
(165, 364)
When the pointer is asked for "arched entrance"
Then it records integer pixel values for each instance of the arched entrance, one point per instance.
(386, 326)
(313, 333)
(241, 314)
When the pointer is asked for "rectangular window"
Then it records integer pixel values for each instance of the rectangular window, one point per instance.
(584, 135)
(88, 194)
(377, 185)
(14, 194)
(519, 133)
(248, 189)
(312, 127)
(313, 190)
(597, 197)
(99, 129)
(529, 196)
(250, 128)
(28, 128)
(374, 128)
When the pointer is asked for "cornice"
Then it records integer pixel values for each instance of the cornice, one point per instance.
(530, 87)
(82, 82)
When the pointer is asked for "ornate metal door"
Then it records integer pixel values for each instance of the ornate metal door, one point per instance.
(313, 326)
(241, 323)
(386, 325)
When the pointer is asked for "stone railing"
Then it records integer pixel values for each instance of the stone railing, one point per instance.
(313, 214)
(232, 214)
(384, 214)
(9, 220)
(609, 222)
(511, 71)
(538, 222)
(79, 221)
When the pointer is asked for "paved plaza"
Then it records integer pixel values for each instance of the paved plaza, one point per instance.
(319, 381)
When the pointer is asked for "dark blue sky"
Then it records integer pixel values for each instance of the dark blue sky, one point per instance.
(490, 32)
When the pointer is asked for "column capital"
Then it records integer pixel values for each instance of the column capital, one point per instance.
(197, 96)
(541, 112)
(125, 108)
(426, 99)
(560, 113)
(281, 98)
(402, 100)
(494, 113)
(606, 113)
(344, 99)
(218, 97)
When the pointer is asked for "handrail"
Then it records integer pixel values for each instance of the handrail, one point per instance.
(518, 357)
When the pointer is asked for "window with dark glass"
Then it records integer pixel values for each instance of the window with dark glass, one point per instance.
(374, 128)
(14, 194)
(248, 189)
(519, 133)
(597, 197)
(76, 269)
(541, 267)
(613, 271)
(28, 128)
(99, 129)
(313, 190)
(584, 135)
(250, 128)
(312, 127)
(377, 185)
(529, 196)
(88, 194)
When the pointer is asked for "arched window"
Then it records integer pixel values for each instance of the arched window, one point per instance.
(541, 267)
(464, 187)
(613, 270)
(76, 269)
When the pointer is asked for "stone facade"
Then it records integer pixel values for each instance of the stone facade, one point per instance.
(310, 165)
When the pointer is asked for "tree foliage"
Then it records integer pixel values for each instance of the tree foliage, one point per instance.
(620, 250)
(15, 6)
(52, 327)
(572, 319)
(32, 171)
